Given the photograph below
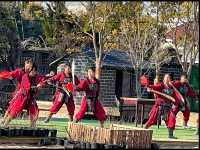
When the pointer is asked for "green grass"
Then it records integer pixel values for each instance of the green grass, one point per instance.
(61, 125)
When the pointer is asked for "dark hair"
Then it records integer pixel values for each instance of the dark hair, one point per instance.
(92, 68)
(66, 63)
(34, 67)
(28, 61)
(168, 75)
(171, 76)
(184, 74)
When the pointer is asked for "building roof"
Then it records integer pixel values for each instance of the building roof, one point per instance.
(39, 49)
(115, 58)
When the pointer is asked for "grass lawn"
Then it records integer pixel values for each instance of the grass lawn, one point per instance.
(61, 124)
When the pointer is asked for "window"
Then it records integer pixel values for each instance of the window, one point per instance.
(118, 83)
(26, 56)
(43, 69)
(44, 58)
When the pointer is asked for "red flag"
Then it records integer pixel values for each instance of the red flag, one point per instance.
(69, 87)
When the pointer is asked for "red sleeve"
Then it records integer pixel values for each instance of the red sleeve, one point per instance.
(11, 74)
(40, 79)
(176, 84)
(5, 75)
(191, 92)
(82, 86)
(56, 77)
(156, 87)
(15, 73)
(77, 81)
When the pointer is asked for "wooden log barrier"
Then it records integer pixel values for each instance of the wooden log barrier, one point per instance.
(131, 137)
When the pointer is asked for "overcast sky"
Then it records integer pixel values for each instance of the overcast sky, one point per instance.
(75, 5)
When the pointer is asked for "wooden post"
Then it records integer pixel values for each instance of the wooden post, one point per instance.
(142, 115)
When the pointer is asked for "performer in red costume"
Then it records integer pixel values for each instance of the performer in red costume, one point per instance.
(186, 91)
(61, 97)
(163, 106)
(25, 98)
(90, 85)
(16, 74)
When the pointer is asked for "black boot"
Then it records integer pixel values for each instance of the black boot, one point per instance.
(75, 121)
(171, 136)
(71, 118)
(47, 119)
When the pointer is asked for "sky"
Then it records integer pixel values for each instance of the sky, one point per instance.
(76, 7)
(73, 6)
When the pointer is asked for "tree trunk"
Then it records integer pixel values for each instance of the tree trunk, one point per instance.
(98, 68)
(137, 81)
(157, 78)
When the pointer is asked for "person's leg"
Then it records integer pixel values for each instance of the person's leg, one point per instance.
(57, 104)
(186, 115)
(70, 108)
(152, 117)
(14, 96)
(8, 119)
(48, 117)
(83, 109)
(101, 123)
(33, 114)
(14, 109)
(100, 113)
(171, 122)
(4, 117)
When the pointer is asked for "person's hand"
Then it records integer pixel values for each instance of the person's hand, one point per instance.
(48, 82)
(39, 85)
(170, 82)
(173, 106)
(148, 89)
(52, 73)
(74, 87)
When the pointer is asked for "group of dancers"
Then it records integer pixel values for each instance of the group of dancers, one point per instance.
(171, 97)
(29, 82)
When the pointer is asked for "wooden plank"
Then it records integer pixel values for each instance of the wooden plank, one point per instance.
(20, 140)
(117, 134)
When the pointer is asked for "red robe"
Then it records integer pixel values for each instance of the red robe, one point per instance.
(186, 91)
(16, 74)
(25, 97)
(91, 89)
(60, 96)
(170, 119)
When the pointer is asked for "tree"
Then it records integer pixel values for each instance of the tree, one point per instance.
(139, 35)
(94, 24)
(183, 21)
(161, 54)
(9, 41)
(57, 26)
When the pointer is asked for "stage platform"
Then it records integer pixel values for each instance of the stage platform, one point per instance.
(32, 143)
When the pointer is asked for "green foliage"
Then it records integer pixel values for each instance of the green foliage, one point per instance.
(9, 42)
